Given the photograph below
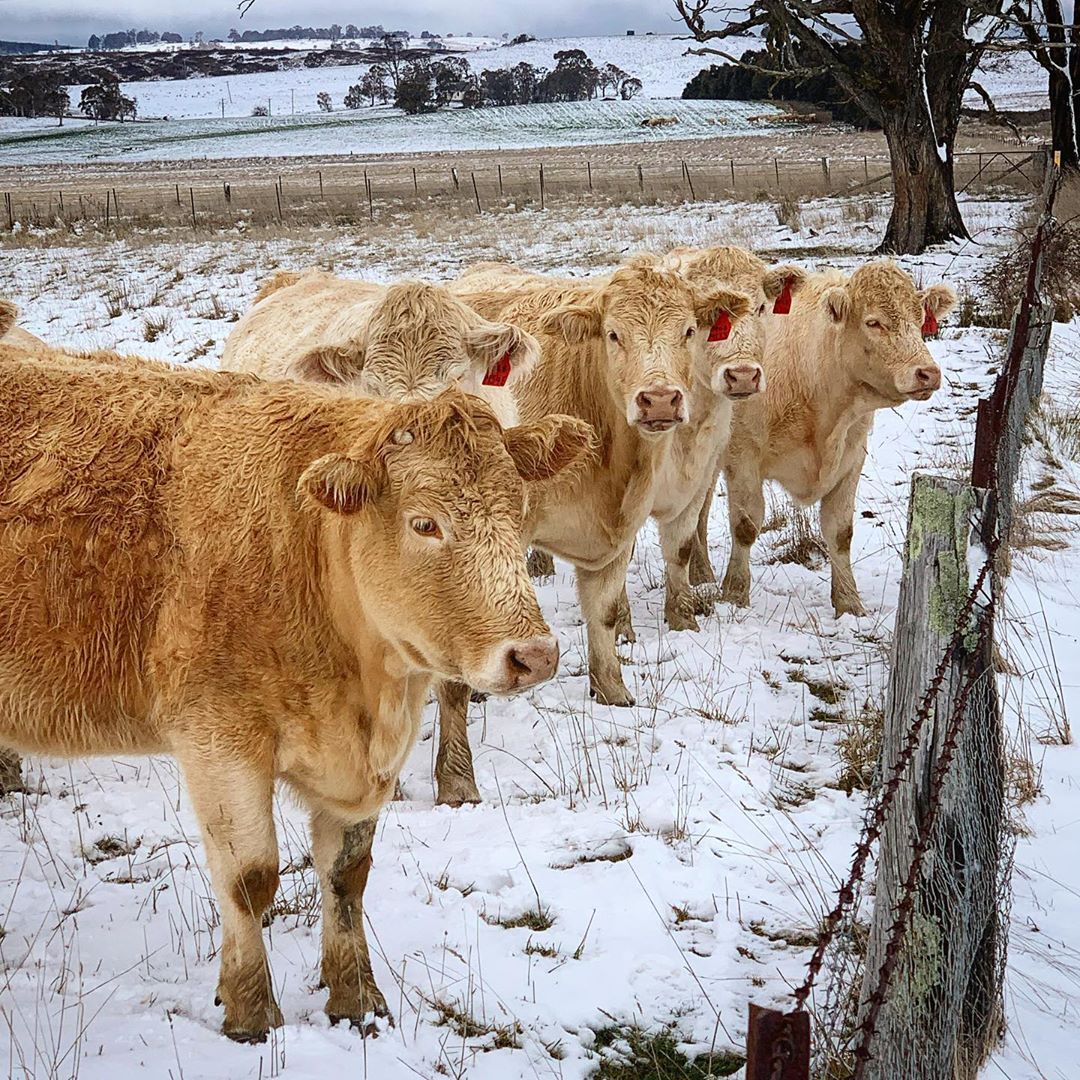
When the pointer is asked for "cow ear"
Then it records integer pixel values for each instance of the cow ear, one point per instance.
(340, 483)
(575, 322)
(550, 446)
(710, 304)
(940, 299)
(492, 344)
(776, 277)
(329, 364)
(8, 313)
(836, 302)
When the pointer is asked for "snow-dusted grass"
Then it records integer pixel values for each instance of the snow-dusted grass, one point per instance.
(685, 849)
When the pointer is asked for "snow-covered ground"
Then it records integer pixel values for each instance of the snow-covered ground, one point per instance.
(684, 849)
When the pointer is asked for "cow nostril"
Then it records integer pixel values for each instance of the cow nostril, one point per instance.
(676, 399)
(519, 664)
(925, 376)
(644, 401)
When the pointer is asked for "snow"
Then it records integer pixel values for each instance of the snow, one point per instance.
(378, 130)
(720, 784)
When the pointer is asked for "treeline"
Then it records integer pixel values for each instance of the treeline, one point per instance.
(424, 85)
(121, 39)
(740, 82)
(43, 94)
(321, 33)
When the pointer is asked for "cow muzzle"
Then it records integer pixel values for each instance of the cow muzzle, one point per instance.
(743, 381)
(925, 381)
(519, 665)
(659, 408)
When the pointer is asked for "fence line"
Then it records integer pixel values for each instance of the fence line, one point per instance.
(341, 195)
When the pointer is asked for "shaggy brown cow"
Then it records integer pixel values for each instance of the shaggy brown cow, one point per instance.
(851, 345)
(261, 579)
(404, 341)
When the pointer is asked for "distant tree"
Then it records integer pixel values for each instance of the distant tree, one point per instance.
(472, 96)
(116, 40)
(324, 102)
(198, 38)
(38, 93)
(574, 78)
(104, 101)
(147, 37)
(260, 110)
(414, 91)
(527, 82)
(391, 52)
(629, 88)
(234, 35)
(354, 97)
(435, 44)
(335, 31)
(172, 38)
(94, 44)
(497, 86)
(610, 77)
(449, 77)
(374, 85)
(352, 30)
(522, 39)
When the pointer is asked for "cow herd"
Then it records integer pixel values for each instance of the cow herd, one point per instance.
(267, 570)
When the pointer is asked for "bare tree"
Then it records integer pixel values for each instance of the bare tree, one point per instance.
(1054, 41)
(907, 64)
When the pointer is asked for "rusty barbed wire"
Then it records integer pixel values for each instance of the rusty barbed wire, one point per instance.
(876, 818)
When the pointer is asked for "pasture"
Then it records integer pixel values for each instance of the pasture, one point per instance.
(631, 872)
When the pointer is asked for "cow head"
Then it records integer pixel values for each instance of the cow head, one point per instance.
(412, 342)
(655, 326)
(735, 350)
(422, 519)
(882, 317)
(8, 313)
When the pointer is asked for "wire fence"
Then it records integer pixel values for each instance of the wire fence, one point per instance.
(352, 194)
(928, 1001)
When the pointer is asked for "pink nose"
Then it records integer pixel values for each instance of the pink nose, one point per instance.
(531, 661)
(742, 380)
(660, 407)
(928, 378)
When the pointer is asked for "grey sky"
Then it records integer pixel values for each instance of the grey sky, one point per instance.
(72, 22)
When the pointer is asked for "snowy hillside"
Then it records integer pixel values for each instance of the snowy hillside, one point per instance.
(683, 851)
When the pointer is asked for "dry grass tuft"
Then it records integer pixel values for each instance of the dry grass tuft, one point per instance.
(798, 541)
(860, 749)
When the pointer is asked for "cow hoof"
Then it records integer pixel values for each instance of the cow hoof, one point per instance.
(458, 792)
(849, 607)
(739, 595)
(701, 573)
(617, 696)
(252, 1029)
(681, 621)
(626, 636)
(364, 1020)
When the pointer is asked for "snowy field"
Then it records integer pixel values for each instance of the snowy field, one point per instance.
(378, 130)
(685, 849)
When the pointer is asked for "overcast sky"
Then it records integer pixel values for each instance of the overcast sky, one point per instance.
(72, 21)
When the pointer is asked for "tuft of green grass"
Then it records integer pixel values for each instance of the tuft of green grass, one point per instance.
(830, 691)
(534, 919)
(631, 1053)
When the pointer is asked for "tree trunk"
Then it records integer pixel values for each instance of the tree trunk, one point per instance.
(924, 210)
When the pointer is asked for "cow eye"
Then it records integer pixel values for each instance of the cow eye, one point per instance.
(613, 337)
(873, 324)
(761, 310)
(426, 527)
(691, 331)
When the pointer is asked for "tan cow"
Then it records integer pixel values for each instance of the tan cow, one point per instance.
(261, 579)
(16, 336)
(405, 341)
(850, 346)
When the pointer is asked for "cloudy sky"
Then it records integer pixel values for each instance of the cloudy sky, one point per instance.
(72, 21)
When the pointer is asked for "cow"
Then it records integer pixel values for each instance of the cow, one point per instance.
(262, 579)
(851, 345)
(402, 341)
(15, 336)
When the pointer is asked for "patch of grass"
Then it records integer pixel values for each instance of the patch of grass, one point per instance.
(109, 847)
(830, 691)
(533, 919)
(630, 1053)
(454, 1015)
(860, 748)
(799, 542)
(541, 948)
(155, 325)
(788, 212)
(801, 938)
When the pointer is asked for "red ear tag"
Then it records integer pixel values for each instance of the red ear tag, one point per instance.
(721, 328)
(499, 372)
(929, 325)
(782, 304)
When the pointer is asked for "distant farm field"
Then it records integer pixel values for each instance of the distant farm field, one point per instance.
(578, 123)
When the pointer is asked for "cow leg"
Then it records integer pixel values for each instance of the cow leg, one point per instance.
(746, 512)
(454, 776)
(677, 545)
(233, 800)
(11, 779)
(342, 856)
(599, 591)
(701, 568)
(624, 622)
(837, 526)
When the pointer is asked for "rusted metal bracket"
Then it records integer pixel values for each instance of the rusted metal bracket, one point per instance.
(777, 1045)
